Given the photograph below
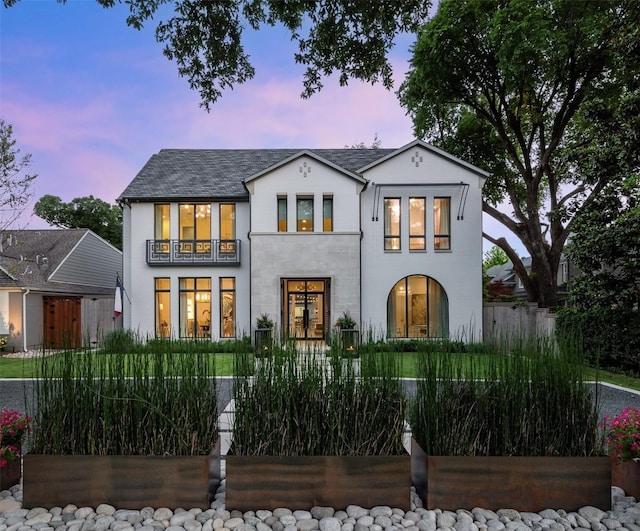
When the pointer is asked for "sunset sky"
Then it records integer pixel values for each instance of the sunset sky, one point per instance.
(92, 99)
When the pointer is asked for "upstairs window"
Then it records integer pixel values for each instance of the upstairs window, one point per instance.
(392, 224)
(282, 214)
(442, 223)
(417, 239)
(305, 214)
(195, 222)
(161, 222)
(227, 221)
(327, 213)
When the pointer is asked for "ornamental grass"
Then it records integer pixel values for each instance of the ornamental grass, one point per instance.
(306, 404)
(530, 401)
(148, 403)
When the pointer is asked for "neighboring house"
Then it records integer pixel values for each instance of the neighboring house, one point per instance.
(214, 238)
(56, 288)
(507, 275)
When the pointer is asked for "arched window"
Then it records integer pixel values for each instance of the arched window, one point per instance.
(417, 307)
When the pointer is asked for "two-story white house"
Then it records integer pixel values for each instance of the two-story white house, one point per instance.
(215, 238)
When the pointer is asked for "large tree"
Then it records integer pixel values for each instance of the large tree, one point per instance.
(15, 181)
(83, 213)
(544, 94)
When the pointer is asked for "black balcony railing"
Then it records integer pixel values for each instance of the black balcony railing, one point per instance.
(189, 252)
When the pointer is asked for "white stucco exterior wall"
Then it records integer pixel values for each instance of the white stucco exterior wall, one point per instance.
(415, 173)
(139, 278)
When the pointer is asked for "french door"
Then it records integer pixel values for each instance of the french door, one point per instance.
(306, 313)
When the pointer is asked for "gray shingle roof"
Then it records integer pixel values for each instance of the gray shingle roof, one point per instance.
(219, 173)
(29, 257)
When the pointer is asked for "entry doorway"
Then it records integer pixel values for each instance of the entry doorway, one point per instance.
(306, 308)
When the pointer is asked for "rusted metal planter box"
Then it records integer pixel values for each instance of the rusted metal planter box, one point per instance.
(301, 482)
(124, 481)
(11, 472)
(528, 484)
(626, 475)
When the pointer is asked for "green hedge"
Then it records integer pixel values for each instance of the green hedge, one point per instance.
(609, 338)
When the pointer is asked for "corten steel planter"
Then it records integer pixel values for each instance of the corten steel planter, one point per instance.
(301, 482)
(527, 484)
(11, 472)
(626, 475)
(124, 481)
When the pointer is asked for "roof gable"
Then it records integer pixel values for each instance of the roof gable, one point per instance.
(36, 259)
(430, 148)
(302, 154)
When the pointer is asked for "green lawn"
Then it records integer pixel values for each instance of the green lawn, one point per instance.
(28, 368)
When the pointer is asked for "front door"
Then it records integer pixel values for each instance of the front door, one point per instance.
(306, 311)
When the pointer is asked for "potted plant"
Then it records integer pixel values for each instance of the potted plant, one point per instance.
(263, 335)
(315, 434)
(13, 427)
(131, 429)
(623, 439)
(349, 337)
(518, 431)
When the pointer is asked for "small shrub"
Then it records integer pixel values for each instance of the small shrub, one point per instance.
(120, 341)
(609, 338)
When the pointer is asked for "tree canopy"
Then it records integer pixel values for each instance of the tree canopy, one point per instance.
(15, 182)
(83, 213)
(544, 94)
(605, 247)
(493, 257)
(206, 38)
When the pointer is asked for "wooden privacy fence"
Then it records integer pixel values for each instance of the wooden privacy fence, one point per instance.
(503, 322)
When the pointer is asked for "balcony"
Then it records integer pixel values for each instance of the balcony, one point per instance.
(193, 252)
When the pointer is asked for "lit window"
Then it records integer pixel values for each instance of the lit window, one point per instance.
(327, 213)
(227, 221)
(161, 222)
(195, 307)
(228, 307)
(417, 306)
(195, 226)
(163, 307)
(417, 240)
(282, 214)
(305, 214)
(441, 223)
(392, 224)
